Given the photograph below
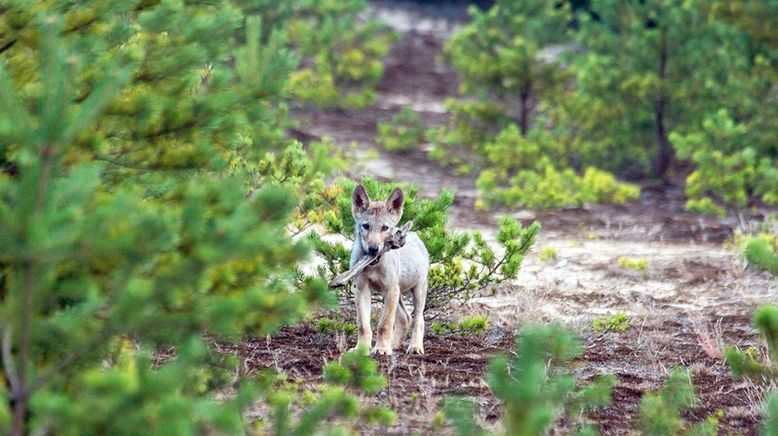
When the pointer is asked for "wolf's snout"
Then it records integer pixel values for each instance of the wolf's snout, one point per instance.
(372, 250)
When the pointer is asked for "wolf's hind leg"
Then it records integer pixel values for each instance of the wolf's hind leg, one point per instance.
(417, 331)
(402, 324)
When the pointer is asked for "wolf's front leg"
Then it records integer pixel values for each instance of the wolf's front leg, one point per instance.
(417, 330)
(383, 343)
(362, 299)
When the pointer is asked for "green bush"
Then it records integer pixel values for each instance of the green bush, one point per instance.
(748, 363)
(496, 55)
(503, 73)
(474, 324)
(535, 116)
(334, 404)
(618, 322)
(660, 412)
(728, 170)
(136, 130)
(404, 132)
(469, 325)
(549, 253)
(545, 186)
(342, 54)
(461, 263)
(535, 387)
(331, 326)
(639, 265)
(762, 251)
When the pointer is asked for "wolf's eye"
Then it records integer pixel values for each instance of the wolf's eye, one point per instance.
(366, 226)
(384, 228)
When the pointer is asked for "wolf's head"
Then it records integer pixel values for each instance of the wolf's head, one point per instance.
(375, 219)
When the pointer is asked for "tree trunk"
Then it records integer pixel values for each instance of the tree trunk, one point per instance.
(664, 153)
(526, 93)
(19, 417)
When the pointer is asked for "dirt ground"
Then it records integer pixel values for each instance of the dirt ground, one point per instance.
(694, 298)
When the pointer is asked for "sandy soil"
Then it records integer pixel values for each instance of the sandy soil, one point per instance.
(694, 298)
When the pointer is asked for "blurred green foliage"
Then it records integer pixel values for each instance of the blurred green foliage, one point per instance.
(635, 264)
(728, 169)
(335, 325)
(762, 252)
(147, 190)
(337, 405)
(535, 387)
(469, 325)
(548, 254)
(511, 85)
(404, 132)
(660, 412)
(759, 245)
(618, 322)
(637, 88)
(342, 55)
(751, 363)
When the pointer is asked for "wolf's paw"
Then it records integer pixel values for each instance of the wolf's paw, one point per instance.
(415, 349)
(381, 350)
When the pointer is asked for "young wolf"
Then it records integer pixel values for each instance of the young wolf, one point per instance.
(396, 271)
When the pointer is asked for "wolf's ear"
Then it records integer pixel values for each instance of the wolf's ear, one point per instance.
(394, 204)
(359, 201)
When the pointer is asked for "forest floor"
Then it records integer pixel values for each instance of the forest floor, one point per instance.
(694, 298)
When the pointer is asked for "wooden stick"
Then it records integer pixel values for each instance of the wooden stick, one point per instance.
(394, 241)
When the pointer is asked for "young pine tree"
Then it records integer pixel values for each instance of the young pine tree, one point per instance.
(648, 68)
(535, 388)
(511, 74)
(748, 363)
(730, 171)
(122, 230)
(660, 412)
(342, 53)
(498, 55)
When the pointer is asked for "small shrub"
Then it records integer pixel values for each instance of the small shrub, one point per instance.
(639, 265)
(705, 206)
(342, 54)
(404, 132)
(545, 186)
(357, 370)
(762, 251)
(618, 322)
(441, 328)
(331, 326)
(473, 325)
(660, 412)
(747, 363)
(470, 325)
(549, 253)
(298, 412)
(534, 387)
(730, 171)
(326, 325)
(758, 244)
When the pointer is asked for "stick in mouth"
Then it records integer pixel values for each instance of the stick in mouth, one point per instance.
(394, 241)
